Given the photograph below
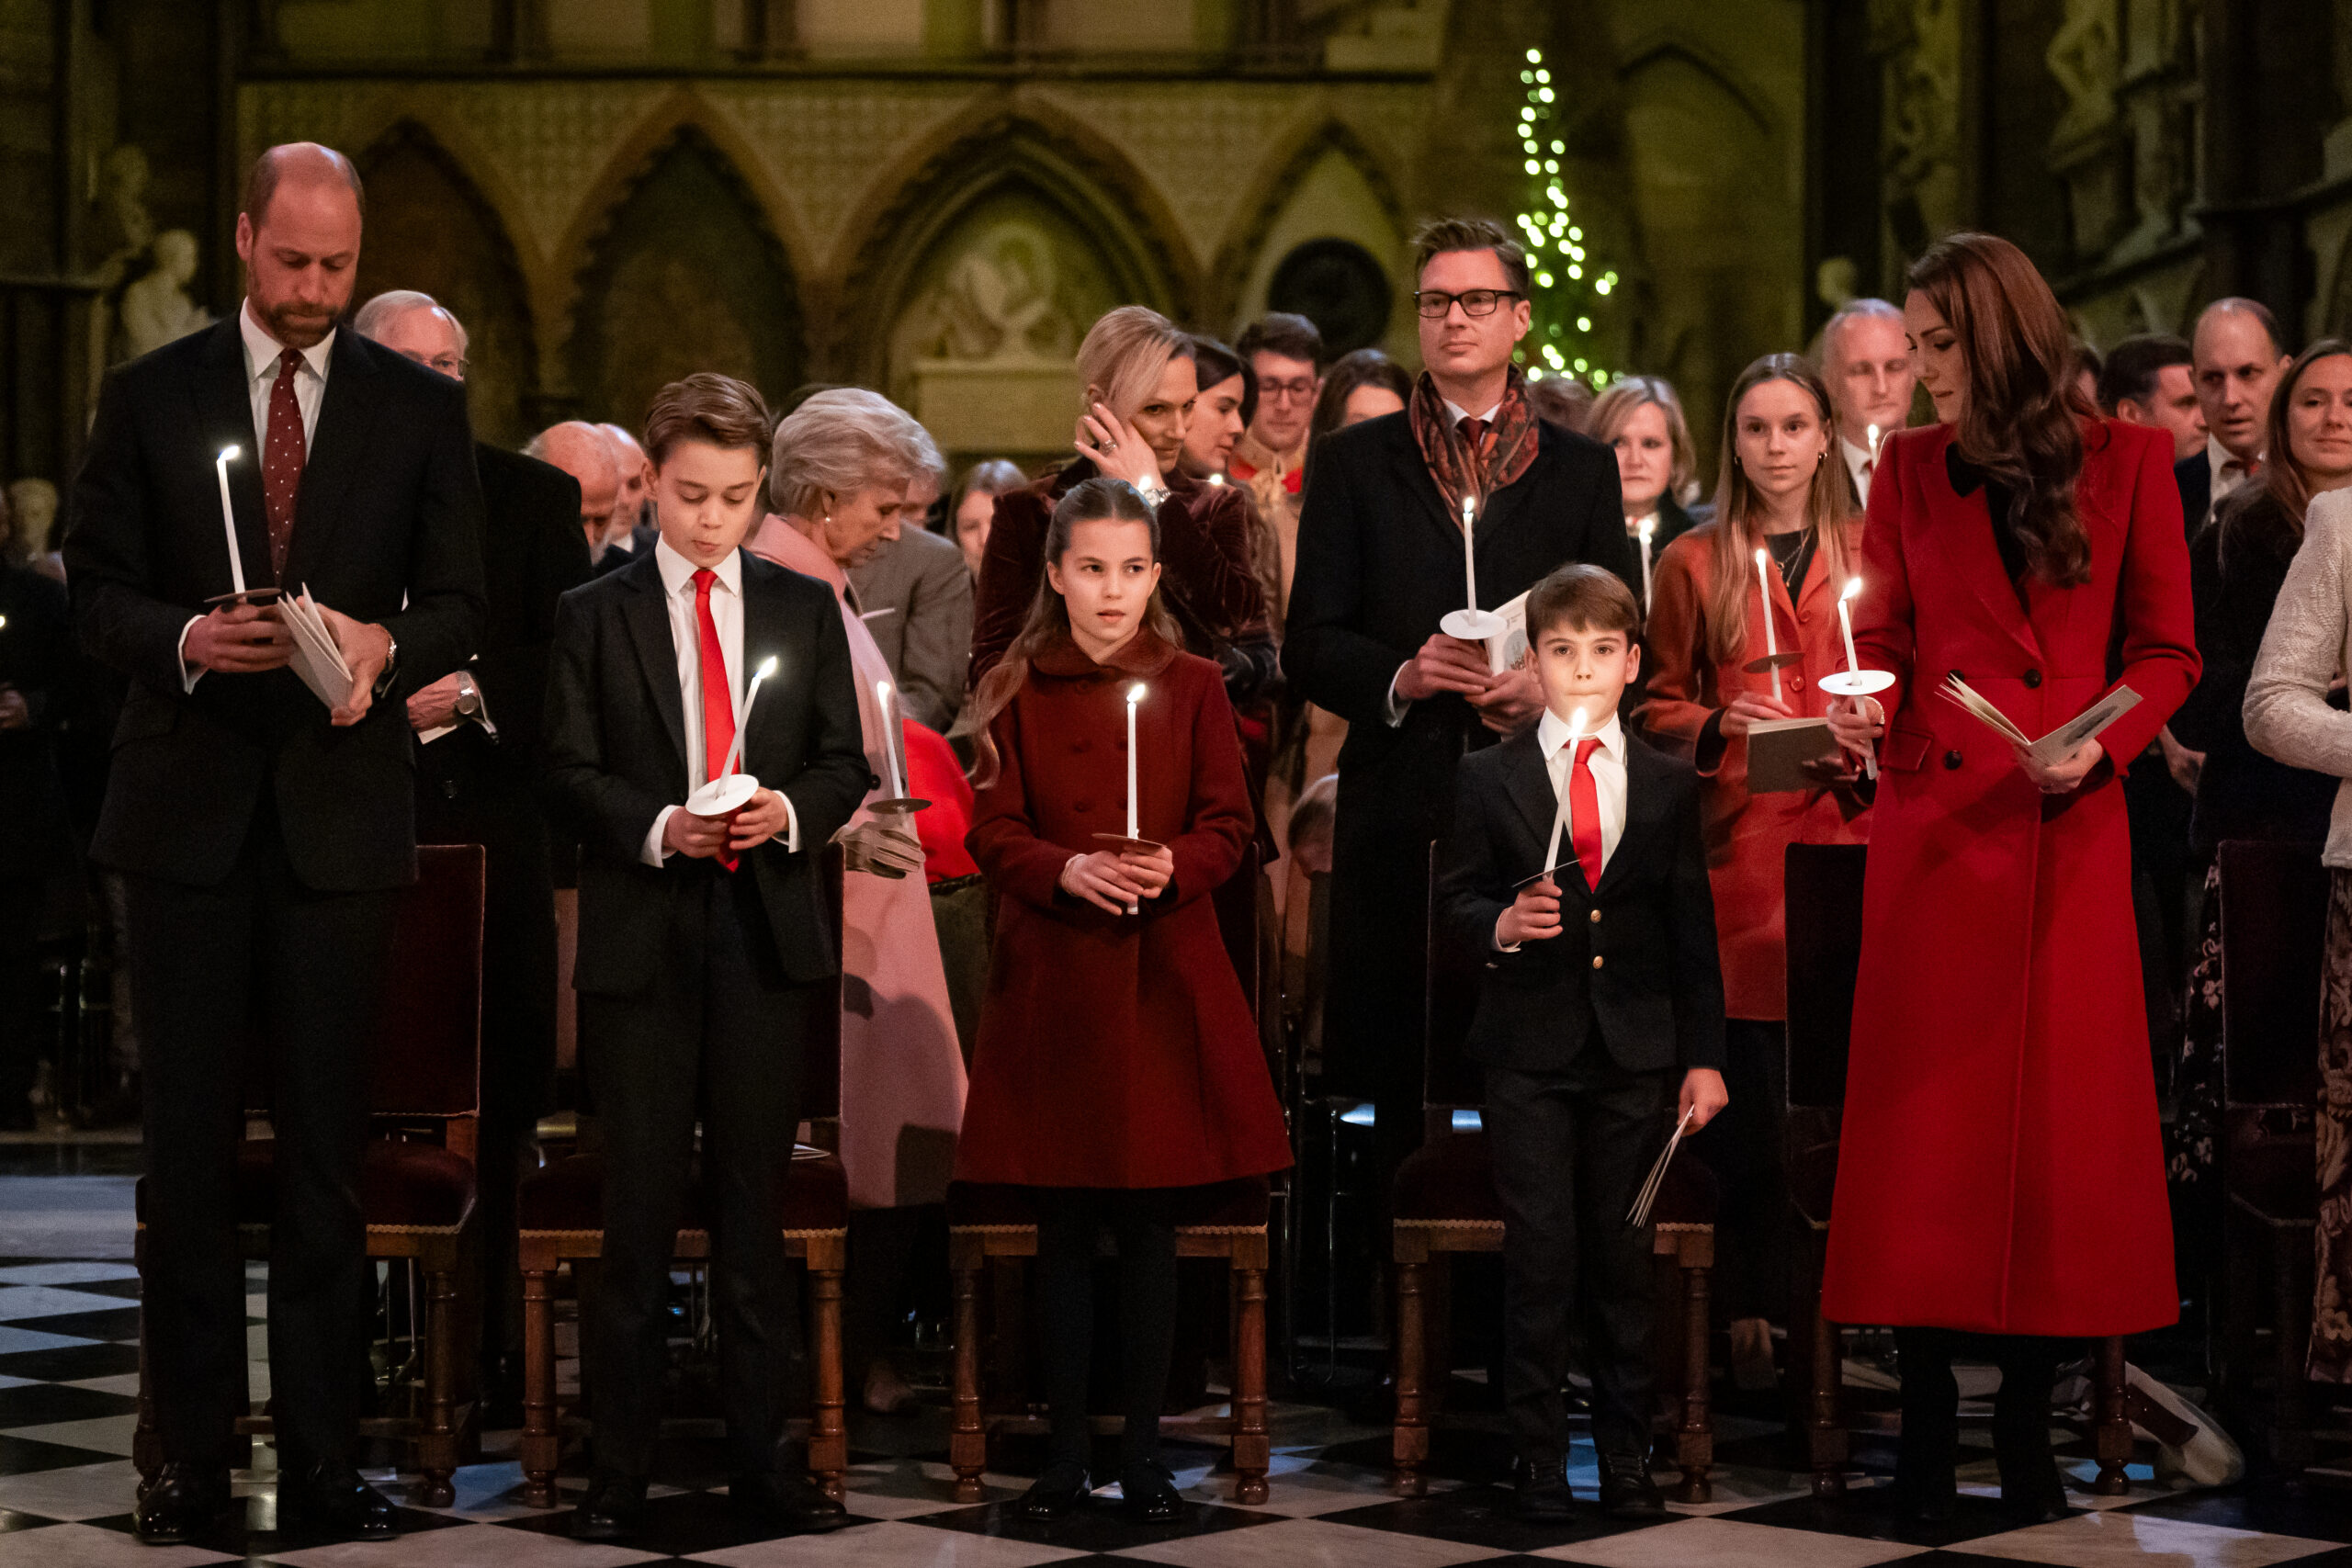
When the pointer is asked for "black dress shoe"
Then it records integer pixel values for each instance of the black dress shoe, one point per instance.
(2032, 1492)
(183, 1500)
(1056, 1495)
(1149, 1496)
(612, 1508)
(790, 1505)
(1540, 1490)
(330, 1501)
(1626, 1490)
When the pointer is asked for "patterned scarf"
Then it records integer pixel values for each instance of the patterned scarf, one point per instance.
(1459, 473)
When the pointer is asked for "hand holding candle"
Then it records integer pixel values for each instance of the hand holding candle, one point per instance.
(1854, 682)
(1471, 624)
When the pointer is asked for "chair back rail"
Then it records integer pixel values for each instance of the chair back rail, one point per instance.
(2274, 931)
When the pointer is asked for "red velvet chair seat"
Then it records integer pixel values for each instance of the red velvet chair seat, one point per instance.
(568, 1195)
(1243, 1204)
(1451, 1178)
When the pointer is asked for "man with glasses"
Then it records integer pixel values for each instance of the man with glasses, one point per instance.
(1285, 354)
(1380, 563)
(475, 784)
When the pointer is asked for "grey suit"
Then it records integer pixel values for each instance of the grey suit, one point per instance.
(921, 580)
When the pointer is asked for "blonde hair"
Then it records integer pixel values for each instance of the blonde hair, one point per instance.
(1124, 353)
(841, 442)
(1613, 408)
(1733, 539)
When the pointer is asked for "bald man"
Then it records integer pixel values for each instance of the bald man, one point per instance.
(265, 834)
(477, 783)
(2237, 355)
(634, 519)
(585, 451)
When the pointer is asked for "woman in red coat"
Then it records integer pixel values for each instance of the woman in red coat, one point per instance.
(2000, 1169)
(1117, 1061)
(1782, 496)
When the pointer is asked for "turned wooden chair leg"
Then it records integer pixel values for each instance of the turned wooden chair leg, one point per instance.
(1409, 1444)
(967, 1441)
(1252, 1453)
(541, 1444)
(1825, 1437)
(827, 1434)
(437, 1448)
(1694, 1439)
(2112, 1440)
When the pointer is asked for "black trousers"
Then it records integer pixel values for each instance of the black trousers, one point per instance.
(1143, 1221)
(258, 957)
(718, 1038)
(20, 1018)
(1742, 1147)
(1570, 1150)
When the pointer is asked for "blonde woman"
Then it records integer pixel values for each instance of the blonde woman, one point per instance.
(1640, 418)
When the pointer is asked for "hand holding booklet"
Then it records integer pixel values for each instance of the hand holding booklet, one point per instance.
(317, 659)
(2060, 743)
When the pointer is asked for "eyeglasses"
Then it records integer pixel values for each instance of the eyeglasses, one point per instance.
(1433, 303)
(1299, 391)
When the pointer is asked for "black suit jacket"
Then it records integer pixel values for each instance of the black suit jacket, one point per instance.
(2194, 475)
(388, 529)
(36, 660)
(1636, 956)
(616, 755)
(641, 540)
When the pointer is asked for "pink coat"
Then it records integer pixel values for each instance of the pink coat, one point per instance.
(902, 1074)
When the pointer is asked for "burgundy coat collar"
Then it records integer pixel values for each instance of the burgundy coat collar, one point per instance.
(1145, 656)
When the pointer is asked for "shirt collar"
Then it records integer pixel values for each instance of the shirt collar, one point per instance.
(678, 573)
(1856, 453)
(1455, 414)
(262, 351)
(2222, 458)
(1551, 733)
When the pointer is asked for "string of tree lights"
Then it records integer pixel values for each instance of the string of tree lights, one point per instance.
(1567, 287)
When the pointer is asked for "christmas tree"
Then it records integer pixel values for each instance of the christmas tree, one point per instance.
(1566, 286)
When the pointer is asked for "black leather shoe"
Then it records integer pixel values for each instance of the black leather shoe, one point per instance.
(612, 1508)
(182, 1501)
(1056, 1495)
(2032, 1492)
(332, 1503)
(1150, 1496)
(1540, 1491)
(790, 1505)
(1626, 1490)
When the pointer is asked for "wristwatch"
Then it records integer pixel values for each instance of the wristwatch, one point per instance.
(392, 663)
(1154, 495)
(469, 696)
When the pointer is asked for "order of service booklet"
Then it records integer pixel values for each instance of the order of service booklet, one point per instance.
(316, 659)
(2061, 742)
(1782, 753)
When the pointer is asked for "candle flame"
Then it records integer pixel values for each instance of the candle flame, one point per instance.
(1763, 557)
(1217, 478)
(1872, 439)
(229, 453)
(1469, 507)
(767, 667)
(1853, 588)
(1576, 723)
(1649, 527)
(1135, 694)
(881, 689)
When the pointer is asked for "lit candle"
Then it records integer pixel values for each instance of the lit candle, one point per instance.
(1846, 620)
(229, 518)
(891, 735)
(743, 721)
(1470, 552)
(1135, 823)
(1649, 528)
(1771, 637)
(1560, 812)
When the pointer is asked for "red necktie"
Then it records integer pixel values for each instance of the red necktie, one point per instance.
(1473, 435)
(718, 704)
(1584, 810)
(283, 453)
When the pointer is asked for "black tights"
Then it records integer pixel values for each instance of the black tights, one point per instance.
(1930, 1445)
(1143, 1221)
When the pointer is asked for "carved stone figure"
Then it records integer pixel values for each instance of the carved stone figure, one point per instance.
(156, 309)
(998, 302)
(2083, 58)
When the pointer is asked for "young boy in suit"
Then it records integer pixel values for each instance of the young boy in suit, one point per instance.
(1601, 997)
(708, 943)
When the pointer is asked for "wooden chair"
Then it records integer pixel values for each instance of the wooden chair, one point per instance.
(1443, 1203)
(1823, 893)
(417, 1188)
(2274, 922)
(1230, 1220)
(561, 1216)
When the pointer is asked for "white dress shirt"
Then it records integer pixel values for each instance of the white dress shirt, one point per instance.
(1608, 765)
(1858, 463)
(263, 354)
(2229, 473)
(1455, 414)
(685, 639)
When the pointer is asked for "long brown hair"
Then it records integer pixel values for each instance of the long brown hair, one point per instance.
(1097, 500)
(1735, 537)
(2284, 484)
(2023, 421)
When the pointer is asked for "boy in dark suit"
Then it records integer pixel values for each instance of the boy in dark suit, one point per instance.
(1602, 992)
(706, 941)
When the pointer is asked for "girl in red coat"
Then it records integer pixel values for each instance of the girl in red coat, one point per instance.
(1782, 495)
(2000, 1168)
(1117, 1062)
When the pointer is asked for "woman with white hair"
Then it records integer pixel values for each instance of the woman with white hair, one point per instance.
(837, 484)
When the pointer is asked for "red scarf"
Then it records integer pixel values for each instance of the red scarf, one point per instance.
(1459, 472)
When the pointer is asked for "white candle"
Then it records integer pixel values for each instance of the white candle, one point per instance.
(891, 734)
(1560, 812)
(1771, 637)
(1649, 527)
(743, 720)
(229, 518)
(1134, 822)
(1845, 621)
(1470, 552)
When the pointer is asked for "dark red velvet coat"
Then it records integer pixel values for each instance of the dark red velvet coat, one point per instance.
(1999, 1168)
(1115, 1051)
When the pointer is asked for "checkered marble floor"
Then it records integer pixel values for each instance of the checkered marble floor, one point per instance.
(68, 1371)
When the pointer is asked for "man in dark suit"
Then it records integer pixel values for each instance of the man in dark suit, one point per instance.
(1600, 988)
(1380, 562)
(707, 939)
(477, 783)
(264, 837)
(916, 598)
(2238, 354)
(38, 681)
